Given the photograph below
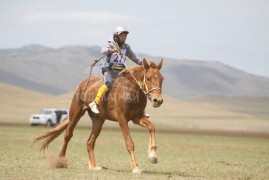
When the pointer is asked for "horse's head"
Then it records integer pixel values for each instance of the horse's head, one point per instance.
(153, 82)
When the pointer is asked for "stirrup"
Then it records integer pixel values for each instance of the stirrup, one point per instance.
(146, 115)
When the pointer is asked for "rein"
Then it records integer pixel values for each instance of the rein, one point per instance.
(139, 83)
(88, 81)
(142, 85)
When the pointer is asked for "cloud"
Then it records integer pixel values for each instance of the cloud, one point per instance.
(89, 17)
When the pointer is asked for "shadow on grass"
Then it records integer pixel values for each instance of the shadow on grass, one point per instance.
(170, 174)
(161, 173)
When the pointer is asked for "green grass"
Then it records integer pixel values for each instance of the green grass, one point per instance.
(180, 156)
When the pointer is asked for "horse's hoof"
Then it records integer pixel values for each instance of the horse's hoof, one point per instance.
(153, 160)
(97, 168)
(137, 171)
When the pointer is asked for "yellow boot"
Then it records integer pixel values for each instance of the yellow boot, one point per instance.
(94, 105)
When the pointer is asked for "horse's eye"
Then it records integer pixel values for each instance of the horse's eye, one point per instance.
(148, 78)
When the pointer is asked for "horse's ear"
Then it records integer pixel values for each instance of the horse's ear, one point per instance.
(145, 64)
(159, 66)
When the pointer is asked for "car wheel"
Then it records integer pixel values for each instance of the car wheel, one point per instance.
(49, 123)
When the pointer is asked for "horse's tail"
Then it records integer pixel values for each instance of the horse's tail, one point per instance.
(49, 136)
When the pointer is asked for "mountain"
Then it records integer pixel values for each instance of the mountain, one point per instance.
(207, 78)
(57, 71)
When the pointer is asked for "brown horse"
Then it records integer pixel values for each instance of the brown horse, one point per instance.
(125, 101)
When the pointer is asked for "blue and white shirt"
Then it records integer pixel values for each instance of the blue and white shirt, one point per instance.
(117, 59)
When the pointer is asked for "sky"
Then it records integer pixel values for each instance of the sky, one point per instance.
(233, 32)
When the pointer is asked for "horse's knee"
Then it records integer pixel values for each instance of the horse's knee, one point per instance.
(130, 146)
(90, 144)
(151, 127)
(68, 136)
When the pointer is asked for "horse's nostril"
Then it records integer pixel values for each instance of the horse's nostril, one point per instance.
(155, 100)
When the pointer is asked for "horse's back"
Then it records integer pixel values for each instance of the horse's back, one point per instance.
(87, 89)
(122, 97)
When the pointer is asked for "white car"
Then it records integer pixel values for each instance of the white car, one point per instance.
(48, 117)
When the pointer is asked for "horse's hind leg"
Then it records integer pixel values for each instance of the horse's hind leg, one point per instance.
(97, 124)
(144, 122)
(76, 112)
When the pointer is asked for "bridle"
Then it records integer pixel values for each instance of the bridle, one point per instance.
(146, 87)
(142, 85)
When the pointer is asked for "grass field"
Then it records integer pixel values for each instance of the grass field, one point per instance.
(180, 156)
(184, 150)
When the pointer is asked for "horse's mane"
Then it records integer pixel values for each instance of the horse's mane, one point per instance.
(138, 68)
(137, 71)
(132, 69)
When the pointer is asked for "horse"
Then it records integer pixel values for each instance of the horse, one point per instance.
(124, 102)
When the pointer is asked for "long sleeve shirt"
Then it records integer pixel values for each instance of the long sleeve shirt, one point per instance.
(106, 50)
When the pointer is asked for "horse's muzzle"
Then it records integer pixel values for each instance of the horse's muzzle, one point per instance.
(156, 102)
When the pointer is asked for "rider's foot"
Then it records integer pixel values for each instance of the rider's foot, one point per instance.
(94, 107)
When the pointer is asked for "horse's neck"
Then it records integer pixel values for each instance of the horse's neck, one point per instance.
(134, 75)
(137, 72)
(128, 90)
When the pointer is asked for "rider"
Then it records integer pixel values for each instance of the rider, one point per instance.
(115, 50)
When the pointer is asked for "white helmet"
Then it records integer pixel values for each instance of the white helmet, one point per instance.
(120, 29)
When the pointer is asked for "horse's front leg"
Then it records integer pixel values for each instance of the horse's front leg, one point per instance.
(129, 145)
(144, 122)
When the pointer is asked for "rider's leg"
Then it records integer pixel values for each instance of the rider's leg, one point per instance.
(94, 105)
(108, 78)
(102, 90)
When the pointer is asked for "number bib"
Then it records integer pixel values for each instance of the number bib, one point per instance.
(117, 59)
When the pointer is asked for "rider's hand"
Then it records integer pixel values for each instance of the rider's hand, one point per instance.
(113, 50)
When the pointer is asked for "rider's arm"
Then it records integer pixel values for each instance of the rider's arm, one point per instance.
(131, 55)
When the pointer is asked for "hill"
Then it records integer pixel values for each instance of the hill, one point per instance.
(243, 114)
(58, 71)
(17, 104)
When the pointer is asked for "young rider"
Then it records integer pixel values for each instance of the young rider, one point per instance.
(115, 50)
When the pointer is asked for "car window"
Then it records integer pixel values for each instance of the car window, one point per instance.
(44, 111)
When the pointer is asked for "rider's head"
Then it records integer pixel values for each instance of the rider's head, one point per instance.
(120, 35)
